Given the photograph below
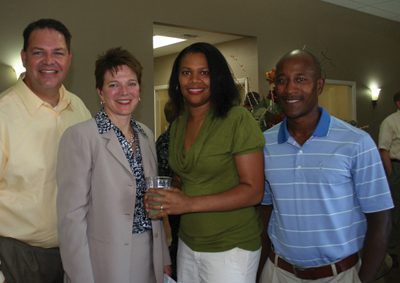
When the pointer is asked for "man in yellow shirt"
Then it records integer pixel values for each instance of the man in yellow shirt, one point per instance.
(33, 115)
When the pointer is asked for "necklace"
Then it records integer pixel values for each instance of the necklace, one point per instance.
(131, 138)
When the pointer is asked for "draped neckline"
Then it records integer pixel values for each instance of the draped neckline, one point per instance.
(186, 159)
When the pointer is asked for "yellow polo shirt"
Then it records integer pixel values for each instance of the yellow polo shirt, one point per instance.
(30, 130)
(389, 135)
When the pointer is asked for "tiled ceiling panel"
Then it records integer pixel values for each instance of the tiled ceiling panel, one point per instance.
(389, 9)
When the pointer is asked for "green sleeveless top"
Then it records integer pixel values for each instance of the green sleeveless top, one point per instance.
(208, 167)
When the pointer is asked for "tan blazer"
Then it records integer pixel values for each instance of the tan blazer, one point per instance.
(95, 204)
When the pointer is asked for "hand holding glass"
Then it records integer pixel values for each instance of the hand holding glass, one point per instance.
(157, 182)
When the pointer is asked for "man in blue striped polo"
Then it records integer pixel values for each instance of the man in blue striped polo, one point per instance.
(326, 199)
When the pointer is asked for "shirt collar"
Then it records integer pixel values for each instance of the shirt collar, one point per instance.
(32, 102)
(104, 123)
(320, 131)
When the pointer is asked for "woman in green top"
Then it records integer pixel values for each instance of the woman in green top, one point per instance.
(215, 151)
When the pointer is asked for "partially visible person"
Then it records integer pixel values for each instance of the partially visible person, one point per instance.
(389, 148)
(163, 141)
(326, 195)
(251, 100)
(164, 169)
(216, 150)
(33, 115)
(105, 233)
(257, 107)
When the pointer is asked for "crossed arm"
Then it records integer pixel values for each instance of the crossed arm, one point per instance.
(248, 192)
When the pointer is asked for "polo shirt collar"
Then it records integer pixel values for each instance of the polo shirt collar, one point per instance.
(320, 131)
(32, 102)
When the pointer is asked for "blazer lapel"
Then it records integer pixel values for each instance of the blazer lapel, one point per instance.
(113, 145)
(149, 154)
(144, 149)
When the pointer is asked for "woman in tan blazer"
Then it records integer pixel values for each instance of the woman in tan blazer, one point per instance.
(105, 234)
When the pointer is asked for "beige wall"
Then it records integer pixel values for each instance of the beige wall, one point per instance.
(240, 54)
(7, 76)
(354, 46)
(242, 57)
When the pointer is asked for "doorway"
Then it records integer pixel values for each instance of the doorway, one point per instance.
(339, 98)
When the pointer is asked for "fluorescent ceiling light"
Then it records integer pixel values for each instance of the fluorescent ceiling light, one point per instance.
(160, 41)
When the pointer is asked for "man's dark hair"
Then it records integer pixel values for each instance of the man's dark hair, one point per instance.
(49, 24)
(396, 97)
(111, 60)
(224, 92)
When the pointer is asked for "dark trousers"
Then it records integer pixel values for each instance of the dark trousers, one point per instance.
(22, 263)
(394, 182)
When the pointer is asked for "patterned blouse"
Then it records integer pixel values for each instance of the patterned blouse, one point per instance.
(141, 222)
(162, 154)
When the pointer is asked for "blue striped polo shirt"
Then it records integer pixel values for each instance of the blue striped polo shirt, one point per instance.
(320, 191)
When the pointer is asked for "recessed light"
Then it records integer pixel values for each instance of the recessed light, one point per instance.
(160, 40)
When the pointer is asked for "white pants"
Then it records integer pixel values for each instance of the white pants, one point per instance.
(233, 266)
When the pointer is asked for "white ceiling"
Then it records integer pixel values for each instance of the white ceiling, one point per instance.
(389, 9)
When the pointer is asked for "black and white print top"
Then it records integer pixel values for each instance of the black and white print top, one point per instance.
(141, 222)
(162, 154)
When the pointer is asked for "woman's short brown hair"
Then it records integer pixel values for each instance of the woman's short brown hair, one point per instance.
(111, 60)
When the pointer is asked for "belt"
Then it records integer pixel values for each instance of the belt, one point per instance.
(395, 160)
(313, 273)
